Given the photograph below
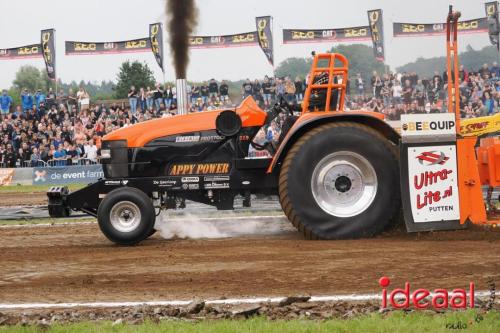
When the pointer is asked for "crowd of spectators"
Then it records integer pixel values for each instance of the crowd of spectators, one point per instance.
(402, 93)
(66, 128)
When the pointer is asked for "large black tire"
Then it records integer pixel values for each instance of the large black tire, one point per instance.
(126, 216)
(319, 147)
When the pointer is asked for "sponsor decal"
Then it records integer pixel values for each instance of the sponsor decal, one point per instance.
(432, 158)
(326, 35)
(164, 183)
(216, 185)
(403, 298)
(40, 176)
(433, 29)
(116, 182)
(49, 52)
(67, 175)
(188, 138)
(265, 36)
(480, 126)
(377, 33)
(94, 48)
(211, 138)
(428, 124)
(190, 186)
(6, 175)
(243, 39)
(190, 179)
(28, 51)
(199, 169)
(215, 178)
(156, 40)
(433, 183)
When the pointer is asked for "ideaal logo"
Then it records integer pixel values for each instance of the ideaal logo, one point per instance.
(403, 298)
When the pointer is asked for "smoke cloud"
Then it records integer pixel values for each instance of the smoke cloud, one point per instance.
(182, 18)
(192, 226)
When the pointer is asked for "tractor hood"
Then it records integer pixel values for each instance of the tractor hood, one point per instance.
(140, 134)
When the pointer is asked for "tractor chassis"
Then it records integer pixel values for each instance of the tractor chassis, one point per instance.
(248, 176)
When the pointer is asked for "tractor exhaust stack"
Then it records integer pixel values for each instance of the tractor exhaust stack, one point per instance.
(182, 97)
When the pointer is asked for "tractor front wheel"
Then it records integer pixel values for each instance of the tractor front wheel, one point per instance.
(340, 181)
(126, 216)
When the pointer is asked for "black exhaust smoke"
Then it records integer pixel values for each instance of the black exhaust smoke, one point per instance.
(182, 17)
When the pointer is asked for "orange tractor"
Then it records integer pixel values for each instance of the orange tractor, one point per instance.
(338, 174)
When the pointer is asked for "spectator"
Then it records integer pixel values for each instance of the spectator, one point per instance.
(149, 98)
(24, 153)
(489, 102)
(5, 102)
(377, 86)
(386, 93)
(299, 89)
(256, 90)
(84, 100)
(289, 90)
(204, 93)
(360, 84)
(9, 157)
(60, 156)
(44, 154)
(26, 99)
(266, 91)
(142, 99)
(72, 101)
(224, 91)
(279, 89)
(35, 158)
(195, 94)
(396, 92)
(90, 150)
(213, 88)
(50, 99)
(132, 99)
(168, 95)
(246, 88)
(158, 97)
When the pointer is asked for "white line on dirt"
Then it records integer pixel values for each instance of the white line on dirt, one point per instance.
(327, 298)
(38, 225)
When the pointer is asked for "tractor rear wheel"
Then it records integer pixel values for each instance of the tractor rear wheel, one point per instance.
(126, 216)
(340, 181)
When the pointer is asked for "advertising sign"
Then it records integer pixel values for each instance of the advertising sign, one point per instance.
(67, 174)
(433, 179)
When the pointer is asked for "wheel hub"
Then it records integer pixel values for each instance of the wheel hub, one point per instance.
(125, 216)
(344, 184)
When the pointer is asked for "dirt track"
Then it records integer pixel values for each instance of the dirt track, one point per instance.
(76, 263)
(24, 199)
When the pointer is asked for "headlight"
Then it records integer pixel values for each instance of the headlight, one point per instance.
(105, 153)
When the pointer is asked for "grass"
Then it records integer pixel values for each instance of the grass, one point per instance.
(394, 322)
(34, 188)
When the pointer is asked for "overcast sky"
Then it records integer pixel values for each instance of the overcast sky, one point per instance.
(115, 20)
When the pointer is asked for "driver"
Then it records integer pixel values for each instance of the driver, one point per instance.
(317, 100)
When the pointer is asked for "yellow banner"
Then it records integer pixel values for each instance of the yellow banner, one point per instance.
(480, 126)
